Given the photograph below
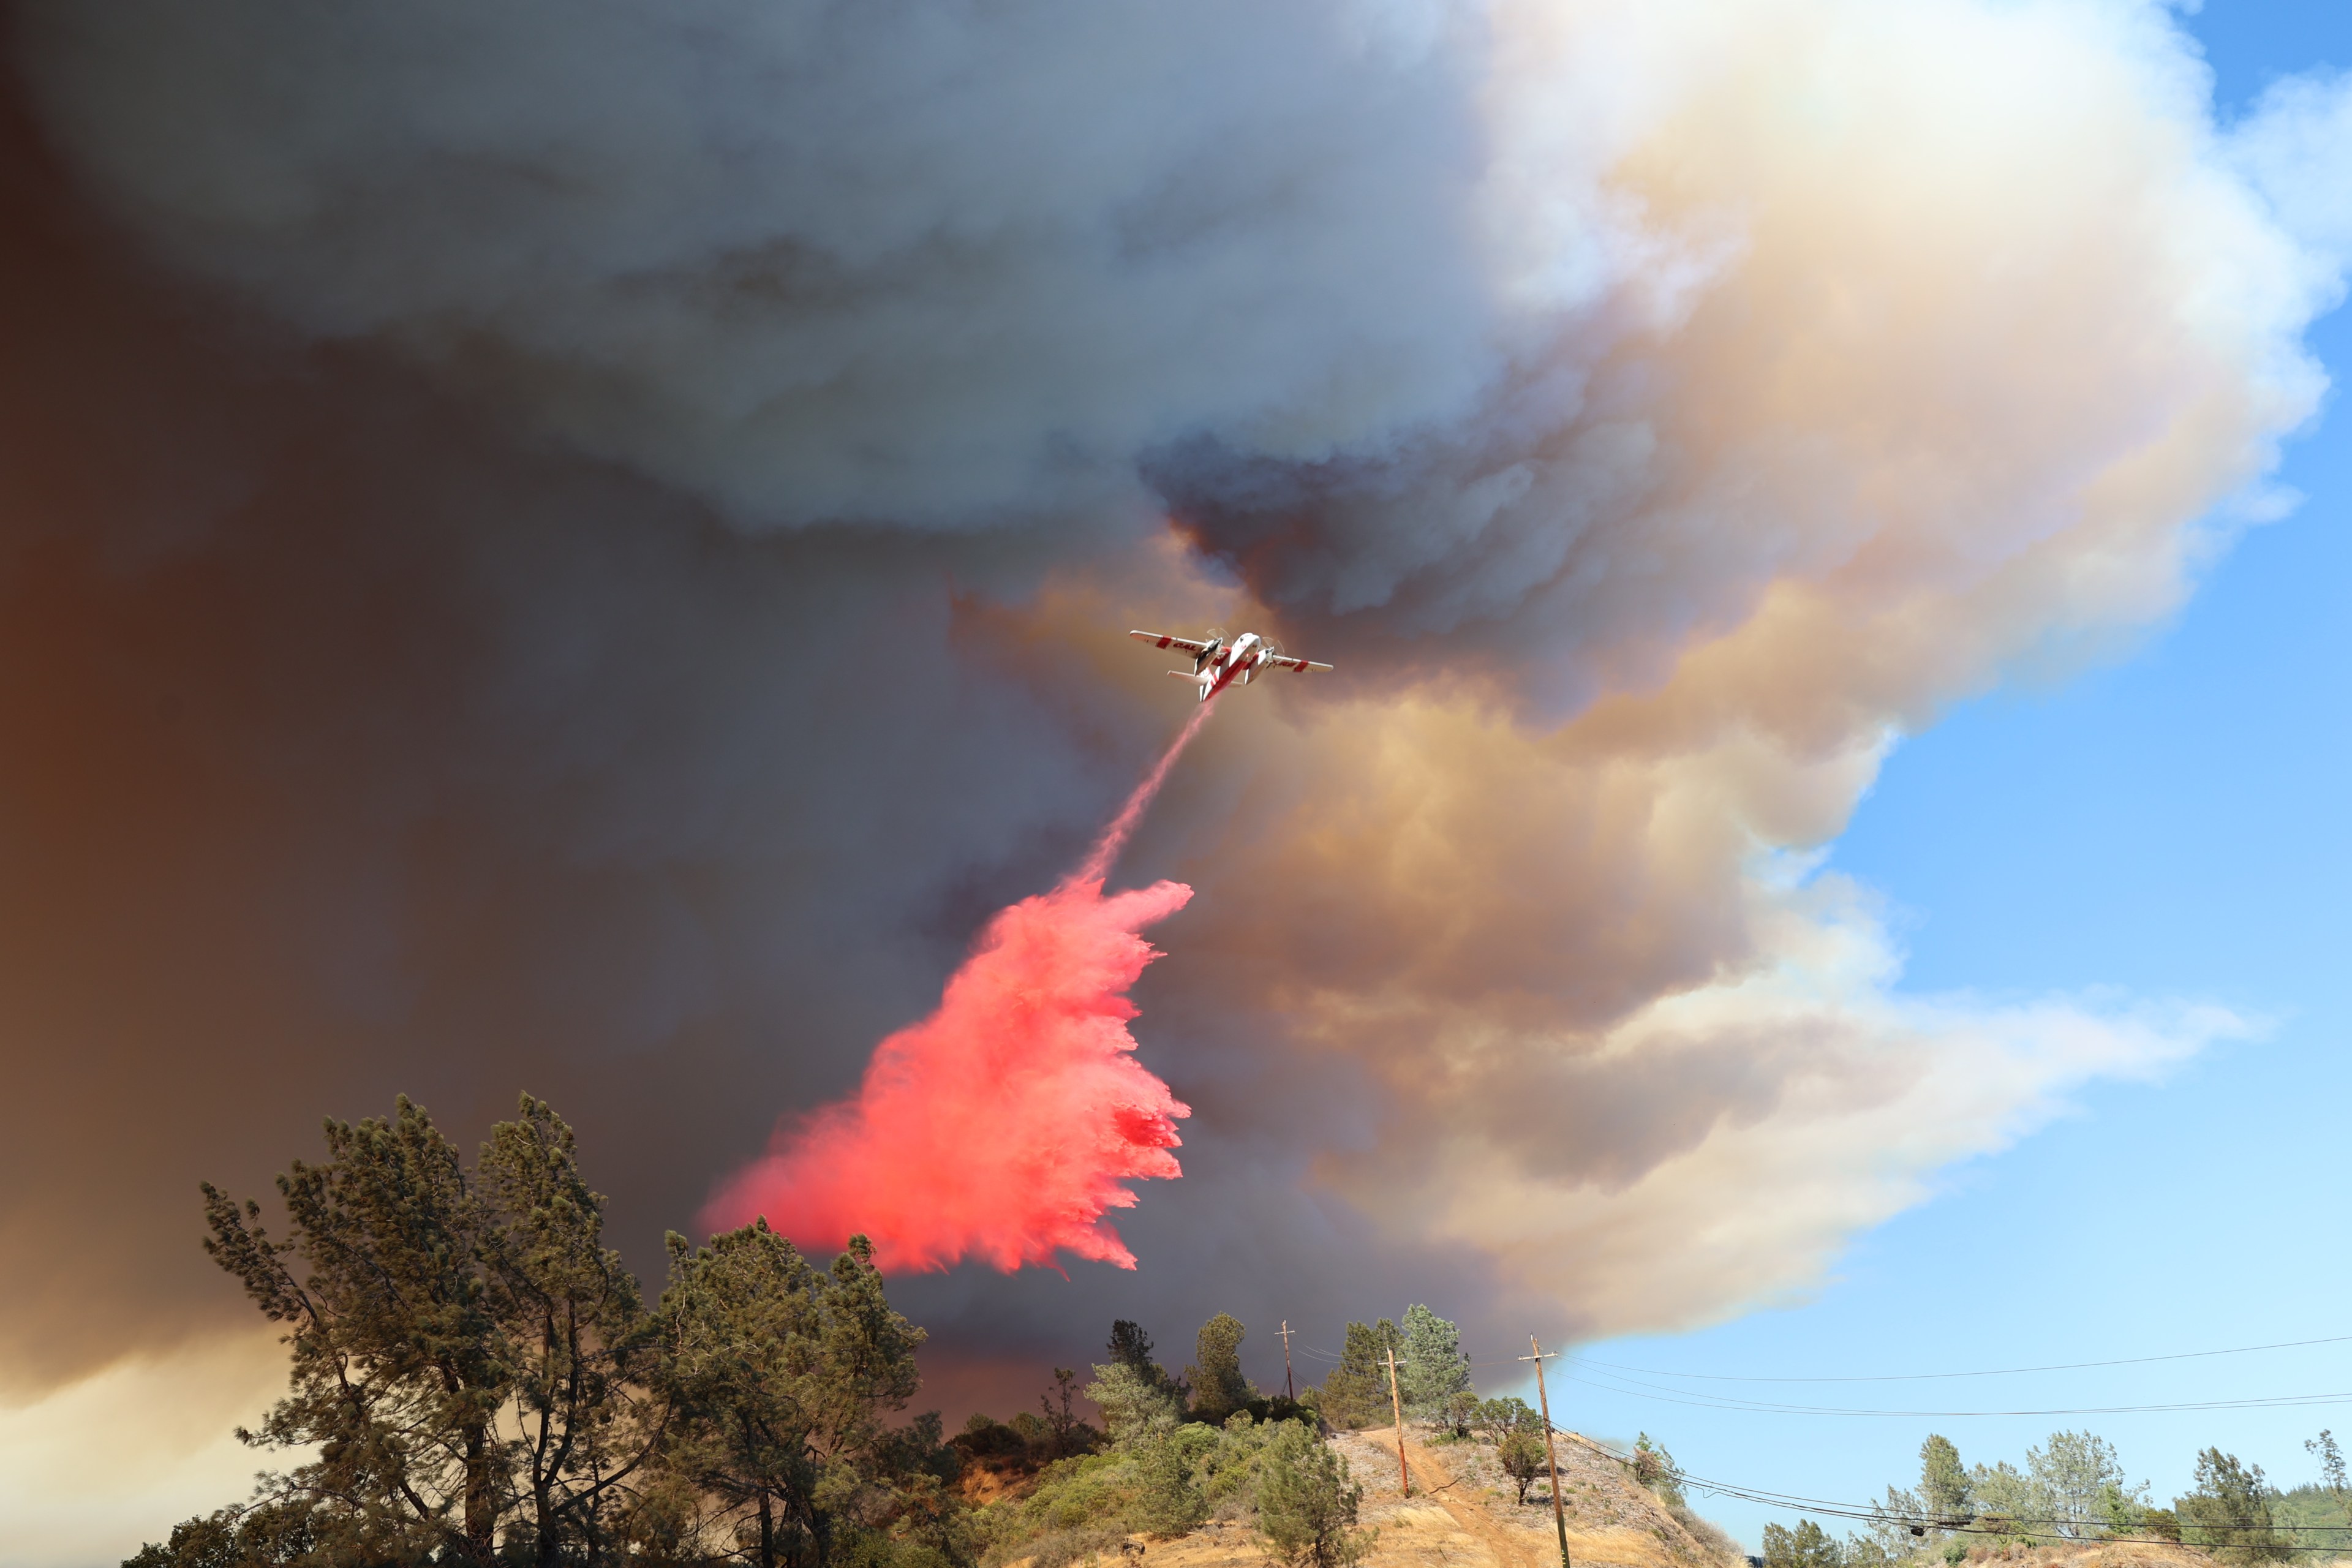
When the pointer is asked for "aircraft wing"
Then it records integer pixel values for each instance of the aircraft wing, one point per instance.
(1300, 665)
(1157, 640)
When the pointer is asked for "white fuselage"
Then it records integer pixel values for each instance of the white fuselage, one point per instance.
(1230, 664)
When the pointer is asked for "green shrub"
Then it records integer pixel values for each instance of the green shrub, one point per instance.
(1522, 1453)
(1307, 1502)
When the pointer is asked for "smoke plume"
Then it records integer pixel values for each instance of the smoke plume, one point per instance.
(1005, 1125)
(582, 546)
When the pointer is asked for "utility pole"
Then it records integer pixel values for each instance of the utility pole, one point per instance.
(1552, 1458)
(1404, 1474)
(1289, 1391)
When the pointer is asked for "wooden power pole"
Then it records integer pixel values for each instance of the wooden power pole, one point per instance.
(1404, 1474)
(1552, 1458)
(1289, 1391)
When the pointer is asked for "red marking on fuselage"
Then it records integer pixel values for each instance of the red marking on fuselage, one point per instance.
(1228, 667)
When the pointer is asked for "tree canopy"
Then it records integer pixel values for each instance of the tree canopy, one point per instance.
(478, 1381)
(1218, 1386)
(1355, 1392)
(1434, 1373)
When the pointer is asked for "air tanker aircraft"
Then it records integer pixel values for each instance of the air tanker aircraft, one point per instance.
(1217, 664)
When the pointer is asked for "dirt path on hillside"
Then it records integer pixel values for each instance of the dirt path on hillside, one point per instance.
(1432, 1479)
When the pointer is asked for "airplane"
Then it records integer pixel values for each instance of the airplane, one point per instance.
(1217, 664)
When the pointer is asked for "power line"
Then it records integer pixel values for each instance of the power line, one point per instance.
(1699, 1400)
(1914, 1377)
(2007, 1527)
(1876, 1512)
(1974, 1525)
(1990, 1371)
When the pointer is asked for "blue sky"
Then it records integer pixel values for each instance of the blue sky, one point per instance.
(2174, 825)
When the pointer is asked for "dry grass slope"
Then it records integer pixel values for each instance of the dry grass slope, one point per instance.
(1462, 1515)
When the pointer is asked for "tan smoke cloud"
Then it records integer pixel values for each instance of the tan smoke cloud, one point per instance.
(1656, 412)
(1954, 404)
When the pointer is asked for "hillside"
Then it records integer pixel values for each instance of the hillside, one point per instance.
(1462, 1515)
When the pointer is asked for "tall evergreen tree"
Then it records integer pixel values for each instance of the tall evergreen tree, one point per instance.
(577, 1338)
(1355, 1392)
(398, 1366)
(1218, 1386)
(1130, 1347)
(1943, 1483)
(1435, 1371)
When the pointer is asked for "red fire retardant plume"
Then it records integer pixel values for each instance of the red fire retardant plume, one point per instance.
(1005, 1124)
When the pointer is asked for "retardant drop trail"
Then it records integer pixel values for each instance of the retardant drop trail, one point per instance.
(1006, 1124)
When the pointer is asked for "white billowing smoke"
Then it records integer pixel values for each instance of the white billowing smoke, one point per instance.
(2291, 150)
(1661, 408)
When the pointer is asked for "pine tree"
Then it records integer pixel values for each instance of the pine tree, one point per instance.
(399, 1368)
(1433, 1371)
(1130, 1347)
(1306, 1501)
(479, 1384)
(2331, 1469)
(783, 1373)
(576, 1334)
(2229, 1512)
(1943, 1483)
(1355, 1392)
(1168, 1503)
(1218, 1386)
(1134, 1391)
